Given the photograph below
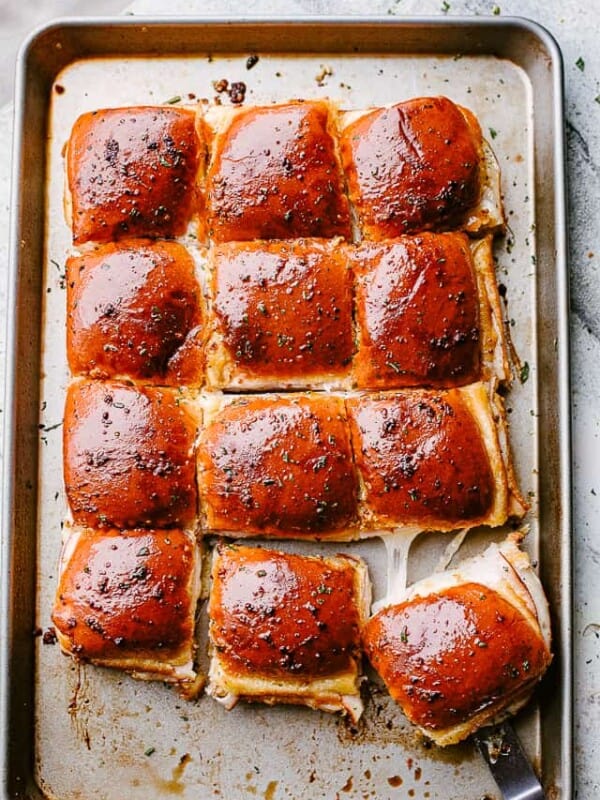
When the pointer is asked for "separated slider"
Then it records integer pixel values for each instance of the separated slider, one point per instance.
(127, 599)
(285, 628)
(466, 647)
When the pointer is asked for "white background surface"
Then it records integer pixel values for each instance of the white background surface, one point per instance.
(576, 25)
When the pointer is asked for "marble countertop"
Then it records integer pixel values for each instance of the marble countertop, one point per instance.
(576, 26)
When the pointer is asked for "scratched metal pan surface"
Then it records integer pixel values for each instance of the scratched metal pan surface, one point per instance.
(70, 732)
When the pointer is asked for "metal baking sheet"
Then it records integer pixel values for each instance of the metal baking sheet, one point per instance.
(79, 732)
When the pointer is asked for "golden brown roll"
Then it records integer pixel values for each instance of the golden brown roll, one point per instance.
(128, 600)
(466, 647)
(419, 165)
(431, 460)
(134, 310)
(128, 456)
(274, 173)
(282, 315)
(427, 312)
(285, 628)
(132, 172)
(278, 466)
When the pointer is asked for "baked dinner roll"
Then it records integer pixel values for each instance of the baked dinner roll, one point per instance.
(129, 456)
(428, 312)
(132, 172)
(467, 646)
(431, 460)
(127, 599)
(282, 315)
(274, 173)
(285, 628)
(419, 165)
(278, 466)
(135, 310)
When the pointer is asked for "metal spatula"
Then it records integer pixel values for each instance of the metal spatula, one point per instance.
(502, 750)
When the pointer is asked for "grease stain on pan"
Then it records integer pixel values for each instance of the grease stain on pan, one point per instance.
(270, 790)
(79, 705)
(159, 786)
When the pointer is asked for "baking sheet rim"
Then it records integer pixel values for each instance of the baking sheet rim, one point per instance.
(14, 323)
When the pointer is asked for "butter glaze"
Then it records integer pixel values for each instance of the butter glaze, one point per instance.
(280, 614)
(284, 309)
(132, 172)
(421, 457)
(128, 456)
(414, 166)
(132, 308)
(449, 656)
(278, 465)
(417, 312)
(274, 174)
(127, 593)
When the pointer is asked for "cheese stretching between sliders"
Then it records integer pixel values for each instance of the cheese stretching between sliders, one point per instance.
(285, 628)
(431, 460)
(274, 173)
(127, 599)
(282, 315)
(278, 466)
(129, 456)
(466, 647)
(132, 172)
(135, 310)
(428, 312)
(419, 165)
